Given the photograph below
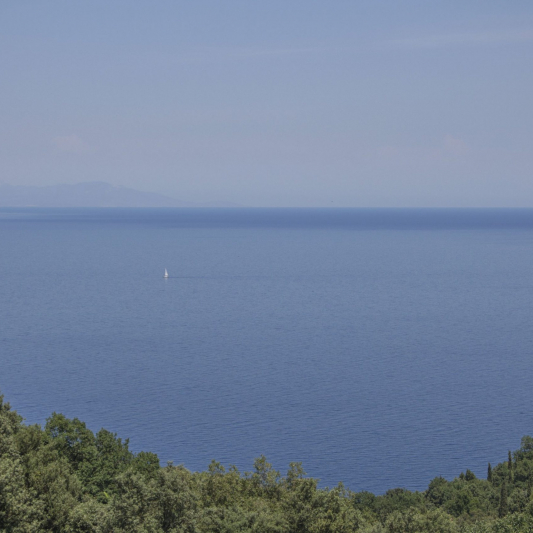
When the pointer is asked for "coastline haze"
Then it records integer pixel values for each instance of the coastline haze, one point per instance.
(89, 194)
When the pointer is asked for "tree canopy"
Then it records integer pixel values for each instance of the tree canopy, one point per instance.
(65, 478)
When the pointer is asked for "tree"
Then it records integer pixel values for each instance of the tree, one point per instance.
(489, 474)
(265, 479)
(526, 444)
(504, 506)
(18, 509)
(469, 475)
(72, 439)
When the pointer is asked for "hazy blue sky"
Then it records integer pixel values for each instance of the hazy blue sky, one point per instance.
(273, 103)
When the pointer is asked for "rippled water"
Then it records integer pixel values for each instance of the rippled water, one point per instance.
(379, 347)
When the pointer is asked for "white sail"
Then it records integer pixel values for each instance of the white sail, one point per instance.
(166, 274)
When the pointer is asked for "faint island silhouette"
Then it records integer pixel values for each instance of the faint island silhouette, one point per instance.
(90, 194)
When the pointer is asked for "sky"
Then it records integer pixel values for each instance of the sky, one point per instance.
(302, 103)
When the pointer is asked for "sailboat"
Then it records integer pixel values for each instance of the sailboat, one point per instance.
(166, 274)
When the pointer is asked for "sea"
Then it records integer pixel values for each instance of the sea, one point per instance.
(378, 347)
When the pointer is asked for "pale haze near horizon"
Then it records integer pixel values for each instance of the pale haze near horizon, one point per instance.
(363, 104)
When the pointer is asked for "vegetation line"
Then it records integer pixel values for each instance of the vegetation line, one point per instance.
(64, 478)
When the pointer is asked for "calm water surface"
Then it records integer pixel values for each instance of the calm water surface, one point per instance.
(379, 347)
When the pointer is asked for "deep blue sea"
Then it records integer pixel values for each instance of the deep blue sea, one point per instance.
(380, 348)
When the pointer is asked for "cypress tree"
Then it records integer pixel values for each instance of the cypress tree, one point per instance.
(510, 466)
(489, 474)
(503, 507)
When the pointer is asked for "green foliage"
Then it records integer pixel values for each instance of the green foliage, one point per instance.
(504, 506)
(410, 521)
(66, 479)
(89, 517)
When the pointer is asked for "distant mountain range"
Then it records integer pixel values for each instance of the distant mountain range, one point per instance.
(87, 194)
